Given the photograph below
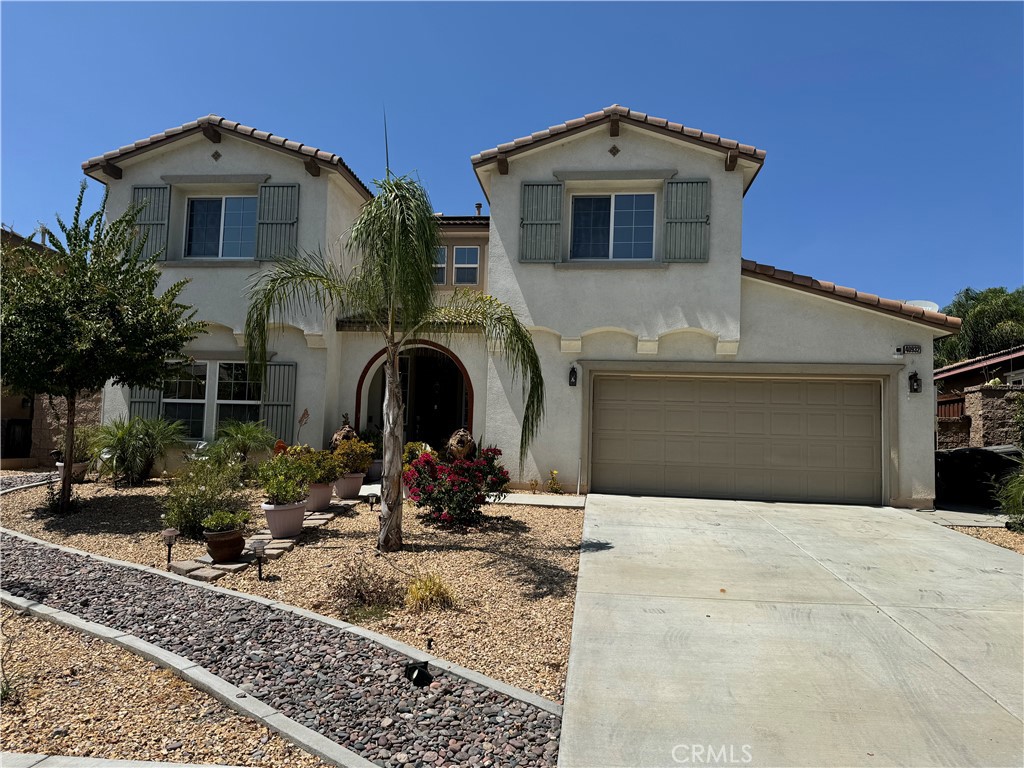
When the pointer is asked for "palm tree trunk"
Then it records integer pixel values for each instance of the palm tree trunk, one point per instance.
(390, 536)
(69, 454)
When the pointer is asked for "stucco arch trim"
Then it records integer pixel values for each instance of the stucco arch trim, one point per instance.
(377, 360)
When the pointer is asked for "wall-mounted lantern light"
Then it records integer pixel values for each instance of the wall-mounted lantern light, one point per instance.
(915, 384)
(572, 375)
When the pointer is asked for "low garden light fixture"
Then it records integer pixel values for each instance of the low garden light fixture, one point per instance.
(373, 499)
(572, 375)
(169, 535)
(417, 674)
(915, 384)
(259, 551)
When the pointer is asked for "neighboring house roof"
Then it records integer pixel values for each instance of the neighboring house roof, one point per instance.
(211, 125)
(464, 222)
(964, 366)
(631, 117)
(770, 274)
(11, 239)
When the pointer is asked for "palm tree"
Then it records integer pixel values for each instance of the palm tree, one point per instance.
(391, 287)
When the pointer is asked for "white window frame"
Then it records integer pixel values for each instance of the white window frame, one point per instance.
(217, 402)
(611, 225)
(443, 265)
(456, 266)
(220, 236)
(1015, 378)
(204, 402)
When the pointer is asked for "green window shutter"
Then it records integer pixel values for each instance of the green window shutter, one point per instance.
(145, 402)
(278, 407)
(540, 223)
(687, 221)
(153, 218)
(277, 226)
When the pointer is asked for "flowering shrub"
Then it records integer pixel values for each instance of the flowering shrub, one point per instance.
(320, 466)
(201, 488)
(354, 456)
(454, 491)
(284, 479)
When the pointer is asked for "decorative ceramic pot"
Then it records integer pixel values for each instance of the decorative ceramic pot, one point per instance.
(285, 520)
(319, 496)
(224, 546)
(78, 470)
(348, 485)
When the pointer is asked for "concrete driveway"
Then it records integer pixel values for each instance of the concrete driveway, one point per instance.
(745, 633)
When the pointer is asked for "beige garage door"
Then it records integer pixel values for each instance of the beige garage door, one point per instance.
(771, 439)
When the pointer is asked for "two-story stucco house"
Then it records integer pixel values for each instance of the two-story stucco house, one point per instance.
(673, 365)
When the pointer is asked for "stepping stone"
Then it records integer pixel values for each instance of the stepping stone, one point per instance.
(309, 523)
(273, 554)
(231, 567)
(263, 532)
(205, 560)
(261, 537)
(275, 542)
(282, 546)
(185, 567)
(207, 574)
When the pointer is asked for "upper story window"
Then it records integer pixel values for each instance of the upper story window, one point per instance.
(467, 265)
(221, 227)
(619, 226)
(440, 265)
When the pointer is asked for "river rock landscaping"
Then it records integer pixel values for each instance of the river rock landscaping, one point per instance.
(344, 686)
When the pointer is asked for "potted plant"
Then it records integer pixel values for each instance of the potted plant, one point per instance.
(285, 484)
(355, 457)
(224, 535)
(323, 468)
(82, 456)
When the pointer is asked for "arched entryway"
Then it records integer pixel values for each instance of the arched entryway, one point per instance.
(436, 390)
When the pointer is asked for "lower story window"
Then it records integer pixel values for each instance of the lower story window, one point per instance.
(238, 397)
(612, 227)
(184, 399)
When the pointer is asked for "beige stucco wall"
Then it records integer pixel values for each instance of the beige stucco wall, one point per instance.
(218, 287)
(572, 299)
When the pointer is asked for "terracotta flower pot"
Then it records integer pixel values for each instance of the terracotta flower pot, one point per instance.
(348, 485)
(224, 546)
(285, 520)
(319, 496)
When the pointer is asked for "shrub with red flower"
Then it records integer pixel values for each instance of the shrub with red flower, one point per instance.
(453, 492)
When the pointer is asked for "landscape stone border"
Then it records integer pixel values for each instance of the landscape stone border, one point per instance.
(235, 697)
(33, 760)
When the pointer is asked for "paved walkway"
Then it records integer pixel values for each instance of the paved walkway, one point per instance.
(790, 635)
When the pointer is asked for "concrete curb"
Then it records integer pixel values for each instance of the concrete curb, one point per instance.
(406, 650)
(24, 760)
(200, 677)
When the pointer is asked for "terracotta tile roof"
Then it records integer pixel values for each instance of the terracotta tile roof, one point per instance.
(629, 115)
(223, 124)
(994, 357)
(463, 221)
(850, 295)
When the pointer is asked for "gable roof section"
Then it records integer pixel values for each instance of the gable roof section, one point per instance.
(1002, 356)
(631, 117)
(215, 123)
(900, 309)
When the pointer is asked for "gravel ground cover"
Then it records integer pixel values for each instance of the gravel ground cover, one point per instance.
(14, 478)
(65, 708)
(514, 576)
(348, 688)
(998, 536)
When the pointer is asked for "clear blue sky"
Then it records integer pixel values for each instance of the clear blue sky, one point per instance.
(894, 131)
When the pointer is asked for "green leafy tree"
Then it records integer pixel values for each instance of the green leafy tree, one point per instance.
(85, 311)
(391, 287)
(993, 320)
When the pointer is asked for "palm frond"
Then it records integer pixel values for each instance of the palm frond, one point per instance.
(469, 310)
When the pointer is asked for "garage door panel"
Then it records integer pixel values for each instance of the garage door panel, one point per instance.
(774, 439)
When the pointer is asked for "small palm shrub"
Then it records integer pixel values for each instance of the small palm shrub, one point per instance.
(85, 438)
(201, 488)
(1011, 499)
(428, 592)
(245, 438)
(129, 448)
(355, 456)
